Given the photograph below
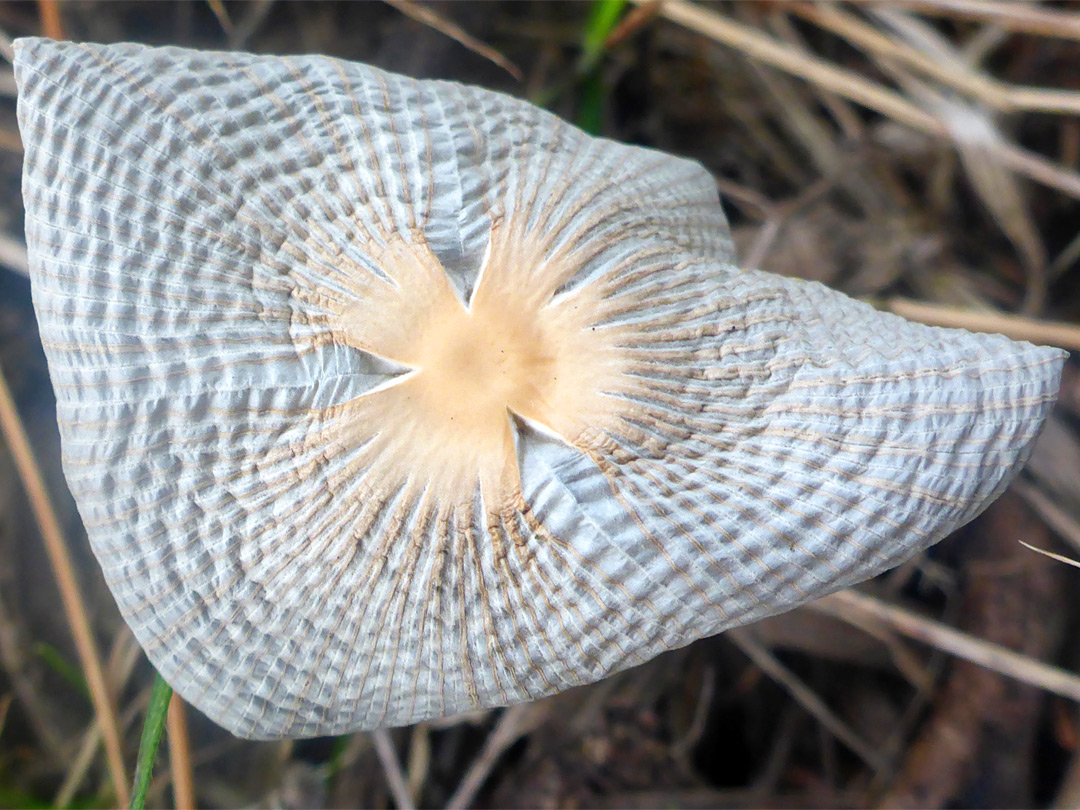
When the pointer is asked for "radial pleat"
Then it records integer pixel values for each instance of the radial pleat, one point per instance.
(386, 399)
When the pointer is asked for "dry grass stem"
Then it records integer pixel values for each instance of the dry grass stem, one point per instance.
(222, 14)
(49, 11)
(429, 17)
(515, 723)
(183, 780)
(1058, 519)
(986, 89)
(1027, 18)
(806, 697)
(395, 777)
(849, 604)
(419, 760)
(1061, 558)
(74, 608)
(13, 254)
(1017, 327)
(855, 87)
(766, 49)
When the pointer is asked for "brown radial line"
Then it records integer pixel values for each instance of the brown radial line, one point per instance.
(399, 600)
(618, 180)
(428, 161)
(610, 473)
(282, 455)
(458, 557)
(643, 263)
(300, 348)
(481, 591)
(116, 422)
(755, 490)
(178, 269)
(330, 533)
(481, 164)
(614, 301)
(297, 134)
(431, 603)
(870, 483)
(521, 159)
(153, 346)
(166, 527)
(765, 570)
(733, 444)
(329, 127)
(501, 561)
(391, 119)
(554, 542)
(215, 304)
(267, 460)
(126, 515)
(217, 594)
(186, 372)
(376, 173)
(646, 297)
(548, 590)
(499, 589)
(646, 262)
(164, 109)
(665, 329)
(671, 495)
(626, 205)
(378, 556)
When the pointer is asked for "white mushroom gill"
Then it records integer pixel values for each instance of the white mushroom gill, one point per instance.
(386, 399)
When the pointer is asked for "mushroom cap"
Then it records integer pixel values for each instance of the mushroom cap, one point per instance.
(385, 399)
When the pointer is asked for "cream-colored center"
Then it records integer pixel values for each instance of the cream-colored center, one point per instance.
(514, 349)
(475, 365)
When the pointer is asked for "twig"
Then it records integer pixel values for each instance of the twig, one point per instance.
(1027, 18)
(990, 91)
(1061, 558)
(425, 15)
(800, 63)
(857, 88)
(992, 656)
(1060, 521)
(384, 747)
(222, 15)
(1017, 327)
(806, 697)
(180, 756)
(419, 760)
(125, 652)
(70, 597)
(515, 723)
(49, 11)
(13, 254)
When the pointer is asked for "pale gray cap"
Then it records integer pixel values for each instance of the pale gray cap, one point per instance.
(384, 399)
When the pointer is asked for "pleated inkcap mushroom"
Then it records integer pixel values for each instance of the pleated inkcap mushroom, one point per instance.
(384, 399)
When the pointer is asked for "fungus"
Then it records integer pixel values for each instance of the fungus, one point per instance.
(384, 399)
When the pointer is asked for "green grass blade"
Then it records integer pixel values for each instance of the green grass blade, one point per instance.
(151, 738)
(602, 19)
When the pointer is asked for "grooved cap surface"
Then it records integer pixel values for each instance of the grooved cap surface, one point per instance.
(384, 399)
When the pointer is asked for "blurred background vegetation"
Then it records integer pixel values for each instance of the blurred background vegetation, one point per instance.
(913, 151)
